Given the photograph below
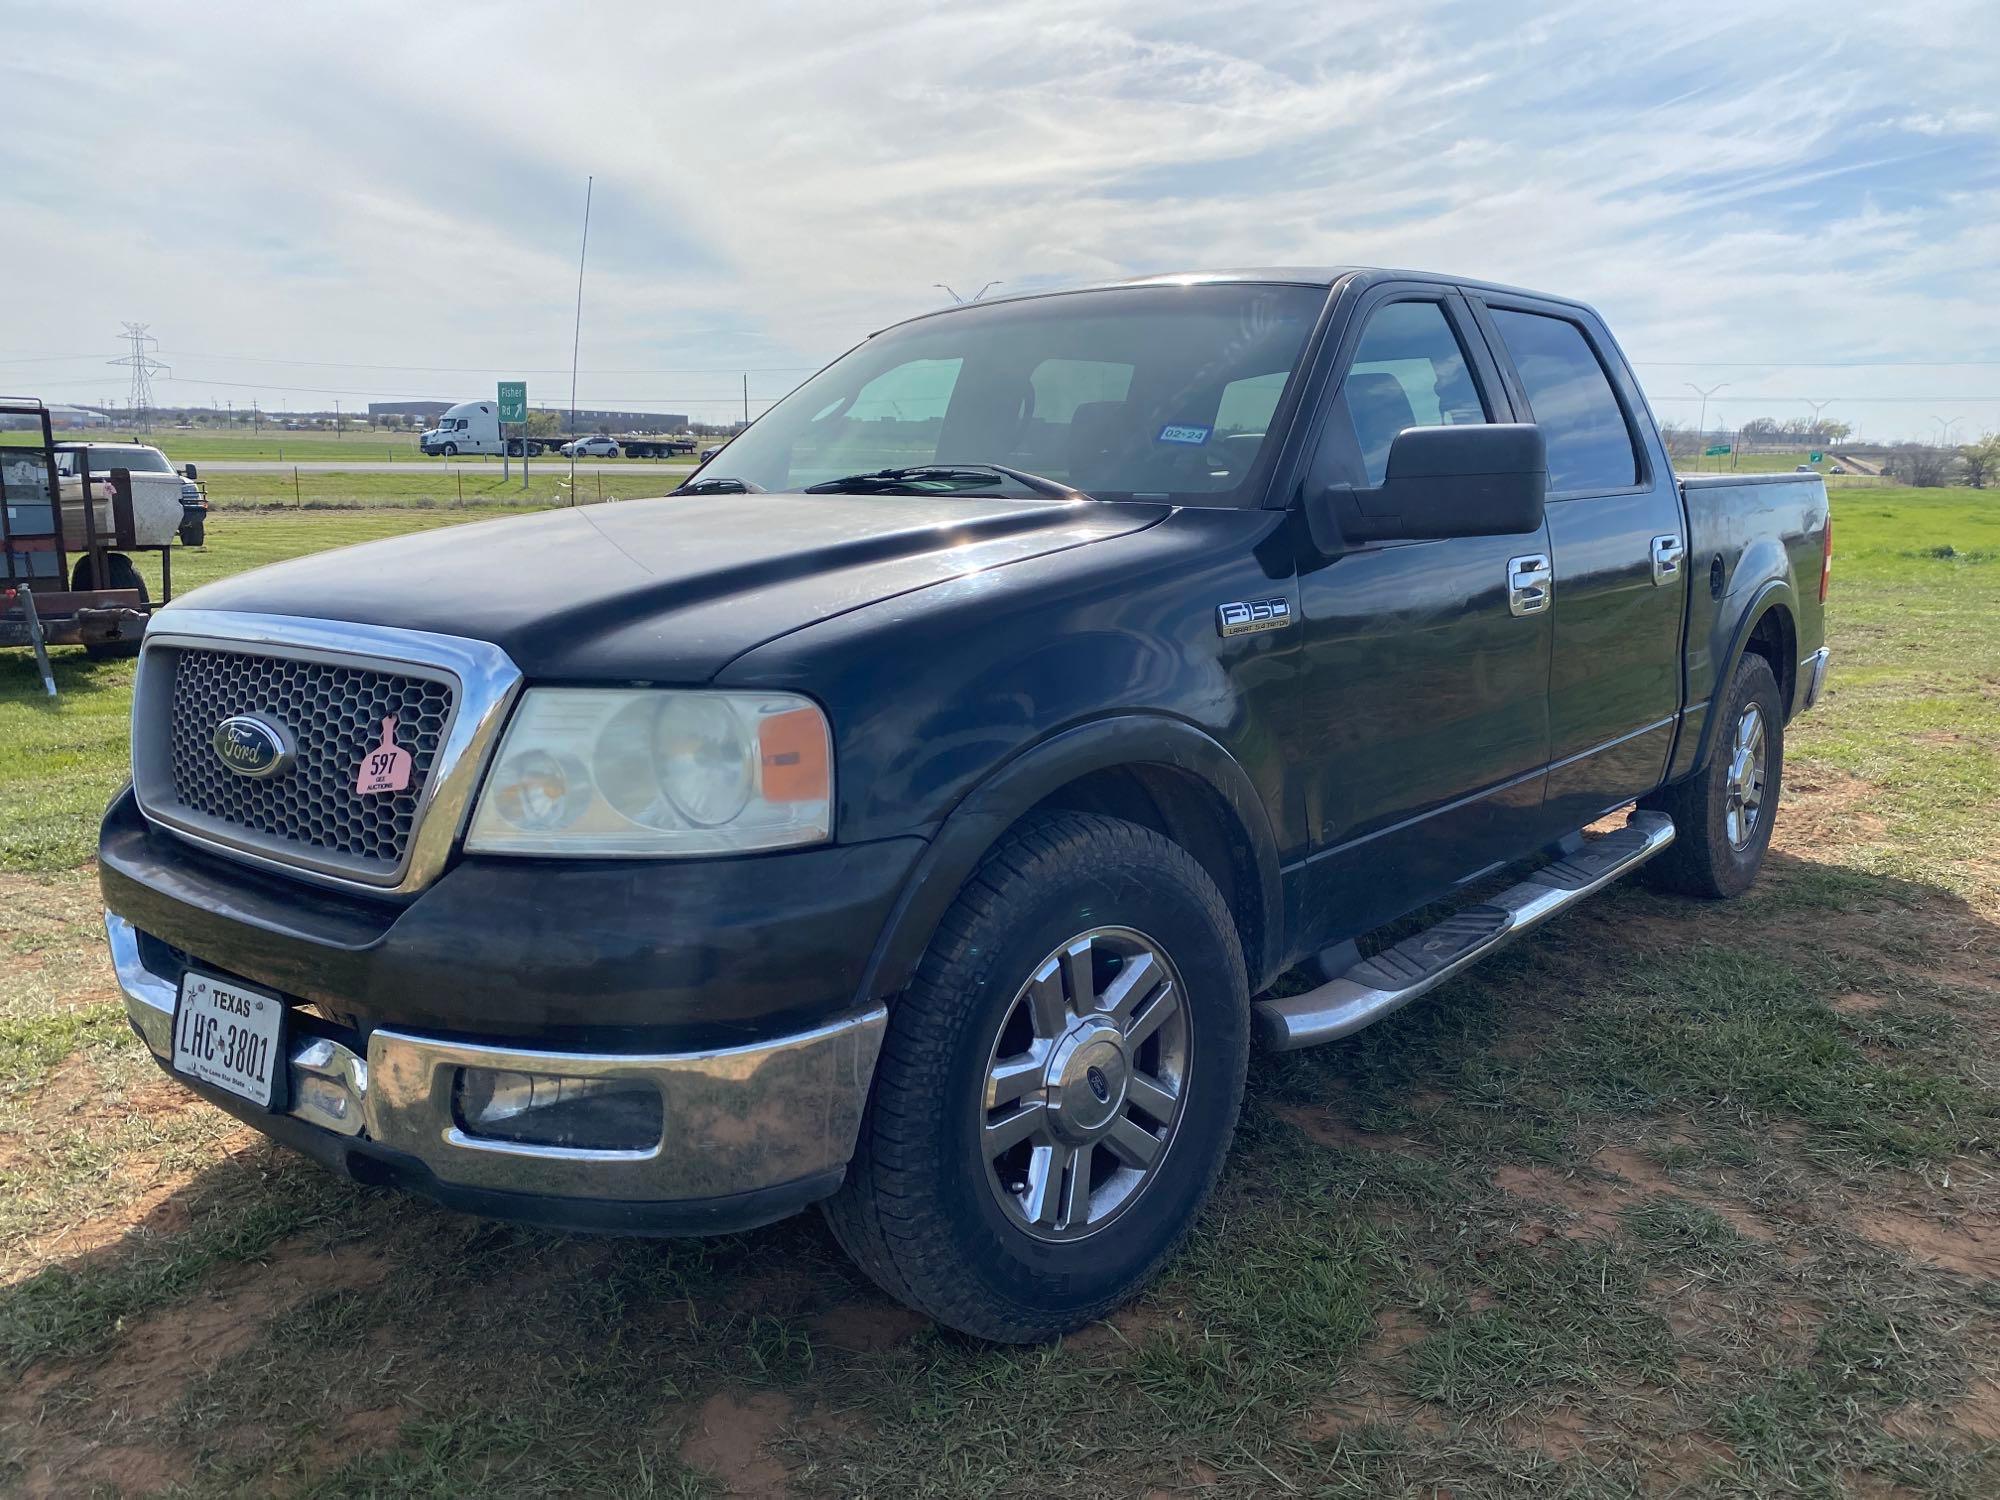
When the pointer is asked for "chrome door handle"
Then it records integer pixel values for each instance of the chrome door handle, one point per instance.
(1531, 583)
(1667, 554)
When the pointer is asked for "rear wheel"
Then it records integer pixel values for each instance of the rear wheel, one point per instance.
(1058, 1086)
(1723, 814)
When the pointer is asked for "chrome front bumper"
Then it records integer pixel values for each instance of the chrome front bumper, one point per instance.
(737, 1119)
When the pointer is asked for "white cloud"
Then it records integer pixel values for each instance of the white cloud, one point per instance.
(401, 186)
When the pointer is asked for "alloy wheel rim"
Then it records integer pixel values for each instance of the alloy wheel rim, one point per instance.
(1744, 793)
(1085, 1084)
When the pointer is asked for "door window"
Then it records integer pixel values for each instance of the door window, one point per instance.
(1590, 447)
(1409, 371)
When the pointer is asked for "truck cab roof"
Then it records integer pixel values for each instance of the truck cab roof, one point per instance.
(1326, 276)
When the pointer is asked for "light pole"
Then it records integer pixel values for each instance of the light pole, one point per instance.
(963, 300)
(1701, 422)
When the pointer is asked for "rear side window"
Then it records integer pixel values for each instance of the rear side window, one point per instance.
(1590, 447)
(1408, 371)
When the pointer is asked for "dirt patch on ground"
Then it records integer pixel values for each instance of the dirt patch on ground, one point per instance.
(869, 1327)
(1825, 807)
(153, 1364)
(1325, 1127)
(730, 1439)
(1587, 1203)
(1368, 1396)
(1970, 1247)
(1126, 1328)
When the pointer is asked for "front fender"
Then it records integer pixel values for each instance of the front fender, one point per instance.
(977, 823)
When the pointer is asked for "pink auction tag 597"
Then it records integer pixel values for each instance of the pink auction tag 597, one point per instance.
(386, 767)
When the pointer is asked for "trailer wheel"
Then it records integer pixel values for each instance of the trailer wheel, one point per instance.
(119, 573)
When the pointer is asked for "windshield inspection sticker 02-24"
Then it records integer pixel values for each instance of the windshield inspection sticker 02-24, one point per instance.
(1179, 432)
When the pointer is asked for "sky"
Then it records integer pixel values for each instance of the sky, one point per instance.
(1797, 202)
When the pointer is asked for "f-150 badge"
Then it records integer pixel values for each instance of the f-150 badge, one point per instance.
(1257, 614)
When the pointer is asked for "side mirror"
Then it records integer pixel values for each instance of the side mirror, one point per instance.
(1482, 480)
(187, 471)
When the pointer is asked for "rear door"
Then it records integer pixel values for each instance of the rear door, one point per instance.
(1424, 693)
(1619, 548)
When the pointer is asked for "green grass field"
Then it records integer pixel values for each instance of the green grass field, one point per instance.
(1669, 1199)
(430, 485)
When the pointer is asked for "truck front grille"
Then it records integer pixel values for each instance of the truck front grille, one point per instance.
(310, 812)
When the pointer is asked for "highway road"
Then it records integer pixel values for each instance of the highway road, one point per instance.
(489, 468)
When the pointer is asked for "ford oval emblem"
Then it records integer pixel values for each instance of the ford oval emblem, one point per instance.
(252, 747)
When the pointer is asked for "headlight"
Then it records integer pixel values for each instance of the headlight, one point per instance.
(654, 771)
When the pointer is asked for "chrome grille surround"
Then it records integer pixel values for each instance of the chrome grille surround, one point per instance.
(319, 671)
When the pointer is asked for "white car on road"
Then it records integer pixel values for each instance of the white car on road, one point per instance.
(597, 445)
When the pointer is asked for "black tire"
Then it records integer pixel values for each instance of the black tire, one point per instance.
(1704, 859)
(918, 1211)
(119, 573)
(450, 450)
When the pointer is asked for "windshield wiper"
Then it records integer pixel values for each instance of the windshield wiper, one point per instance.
(911, 481)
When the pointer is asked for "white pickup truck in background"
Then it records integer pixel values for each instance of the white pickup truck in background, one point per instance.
(165, 502)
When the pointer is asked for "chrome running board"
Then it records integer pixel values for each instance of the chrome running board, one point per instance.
(1394, 977)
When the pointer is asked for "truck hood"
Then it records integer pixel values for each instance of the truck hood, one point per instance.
(667, 590)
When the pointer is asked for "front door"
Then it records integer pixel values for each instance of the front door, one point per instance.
(1616, 534)
(1425, 664)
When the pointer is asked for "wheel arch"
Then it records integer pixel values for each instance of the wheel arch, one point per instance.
(1768, 627)
(1162, 773)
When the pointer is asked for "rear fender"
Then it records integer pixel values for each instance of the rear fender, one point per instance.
(1773, 593)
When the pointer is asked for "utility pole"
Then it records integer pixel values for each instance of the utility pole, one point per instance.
(144, 367)
(1701, 422)
(576, 336)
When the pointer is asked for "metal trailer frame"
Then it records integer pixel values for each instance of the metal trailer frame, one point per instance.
(92, 616)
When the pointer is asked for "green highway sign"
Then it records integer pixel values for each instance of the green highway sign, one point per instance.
(513, 400)
(1815, 456)
(1715, 450)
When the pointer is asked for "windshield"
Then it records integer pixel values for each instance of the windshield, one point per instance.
(103, 460)
(1143, 392)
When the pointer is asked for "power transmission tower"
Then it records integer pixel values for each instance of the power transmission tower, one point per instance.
(143, 367)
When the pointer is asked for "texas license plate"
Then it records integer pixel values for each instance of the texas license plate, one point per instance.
(227, 1036)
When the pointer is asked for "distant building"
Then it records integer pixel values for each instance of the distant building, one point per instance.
(61, 417)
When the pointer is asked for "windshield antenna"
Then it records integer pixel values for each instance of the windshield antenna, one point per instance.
(961, 301)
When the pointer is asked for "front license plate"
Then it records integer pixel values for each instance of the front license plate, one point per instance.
(227, 1036)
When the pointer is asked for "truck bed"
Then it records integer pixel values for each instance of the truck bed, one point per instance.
(1744, 530)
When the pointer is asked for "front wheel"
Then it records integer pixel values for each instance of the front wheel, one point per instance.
(450, 450)
(1723, 813)
(1058, 1086)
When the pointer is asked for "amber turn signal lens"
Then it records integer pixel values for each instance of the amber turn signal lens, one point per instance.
(792, 750)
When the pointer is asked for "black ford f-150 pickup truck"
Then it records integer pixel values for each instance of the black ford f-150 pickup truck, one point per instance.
(903, 815)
